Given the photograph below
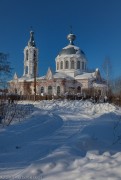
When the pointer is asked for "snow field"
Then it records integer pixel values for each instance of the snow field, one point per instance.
(64, 140)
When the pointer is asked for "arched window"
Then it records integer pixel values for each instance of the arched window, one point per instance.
(50, 90)
(58, 90)
(34, 54)
(85, 66)
(78, 64)
(27, 54)
(72, 64)
(57, 65)
(61, 65)
(82, 65)
(78, 89)
(26, 70)
(42, 90)
(66, 65)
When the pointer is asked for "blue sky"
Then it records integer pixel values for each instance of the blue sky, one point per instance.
(96, 23)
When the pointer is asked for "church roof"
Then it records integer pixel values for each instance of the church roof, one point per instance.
(86, 75)
(99, 85)
(62, 76)
(57, 75)
(71, 50)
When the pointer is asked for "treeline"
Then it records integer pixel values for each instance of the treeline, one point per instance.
(111, 98)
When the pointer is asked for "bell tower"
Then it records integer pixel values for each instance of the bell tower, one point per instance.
(30, 58)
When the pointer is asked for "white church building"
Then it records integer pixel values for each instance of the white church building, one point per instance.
(70, 78)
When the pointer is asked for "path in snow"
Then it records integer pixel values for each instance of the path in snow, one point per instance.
(38, 137)
(62, 135)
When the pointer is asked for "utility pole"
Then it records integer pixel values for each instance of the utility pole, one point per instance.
(35, 75)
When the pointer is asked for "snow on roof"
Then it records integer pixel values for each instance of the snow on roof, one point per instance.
(99, 85)
(72, 46)
(69, 55)
(62, 76)
(22, 79)
(86, 75)
(31, 79)
(71, 51)
(42, 77)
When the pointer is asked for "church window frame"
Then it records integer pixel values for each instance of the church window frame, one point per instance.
(42, 90)
(85, 66)
(58, 90)
(26, 69)
(50, 90)
(66, 64)
(78, 64)
(27, 54)
(57, 65)
(72, 64)
(78, 89)
(61, 65)
(82, 65)
(35, 54)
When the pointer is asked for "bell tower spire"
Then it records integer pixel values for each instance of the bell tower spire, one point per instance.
(31, 41)
(30, 57)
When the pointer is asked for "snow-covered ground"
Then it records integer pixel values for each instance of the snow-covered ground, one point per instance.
(62, 140)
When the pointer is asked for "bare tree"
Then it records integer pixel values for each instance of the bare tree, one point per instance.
(116, 86)
(10, 111)
(5, 70)
(107, 72)
(116, 89)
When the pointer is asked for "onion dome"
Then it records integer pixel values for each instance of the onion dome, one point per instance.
(71, 38)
